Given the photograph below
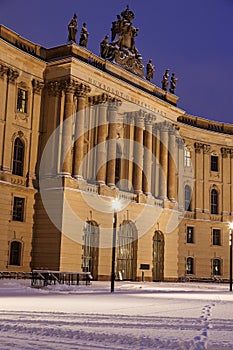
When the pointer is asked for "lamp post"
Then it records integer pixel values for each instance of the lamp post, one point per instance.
(116, 206)
(113, 250)
(230, 245)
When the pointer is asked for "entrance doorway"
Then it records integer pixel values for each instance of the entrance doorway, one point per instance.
(127, 251)
(90, 249)
(158, 256)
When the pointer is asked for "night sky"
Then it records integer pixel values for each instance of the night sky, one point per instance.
(191, 38)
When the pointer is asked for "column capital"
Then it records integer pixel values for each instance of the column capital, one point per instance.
(69, 85)
(12, 75)
(139, 117)
(198, 146)
(99, 99)
(225, 151)
(81, 90)
(206, 148)
(3, 70)
(164, 126)
(113, 104)
(37, 86)
(180, 142)
(54, 88)
(149, 120)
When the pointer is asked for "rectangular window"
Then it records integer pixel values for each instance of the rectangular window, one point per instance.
(214, 163)
(216, 267)
(18, 209)
(216, 237)
(187, 158)
(190, 234)
(22, 101)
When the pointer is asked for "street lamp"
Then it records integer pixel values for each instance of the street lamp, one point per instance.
(230, 244)
(116, 207)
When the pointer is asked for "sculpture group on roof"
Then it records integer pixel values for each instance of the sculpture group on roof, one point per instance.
(121, 49)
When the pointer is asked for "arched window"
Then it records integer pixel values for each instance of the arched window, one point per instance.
(214, 202)
(187, 198)
(189, 265)
(18, 157)
(15, 253)
(216, 267)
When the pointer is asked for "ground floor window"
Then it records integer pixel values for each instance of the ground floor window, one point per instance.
(15, 253)
(216, 267)
(189, 265)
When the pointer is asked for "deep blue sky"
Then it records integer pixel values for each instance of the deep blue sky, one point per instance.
(191, 38)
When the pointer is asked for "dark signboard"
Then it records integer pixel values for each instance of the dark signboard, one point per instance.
(144, 267)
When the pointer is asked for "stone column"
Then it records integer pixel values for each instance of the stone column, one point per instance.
(163, 160)
(37, 87)
(113, 106)
(231, 181)
(67, 130)
(138, 152)
(172, 166)
(93, 115)
(9, 115)
(52, 110)
(198, 177)
(101, 140)
(147, 163)
(81, 93)
(180, 155)
(206, 172)
(226, 180)
(3, 106)
(156, 133)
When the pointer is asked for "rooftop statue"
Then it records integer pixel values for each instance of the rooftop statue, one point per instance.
(122, 48)
(83, 36)
(165, 80)
(173, 82)
(150, 70)
(73, 28)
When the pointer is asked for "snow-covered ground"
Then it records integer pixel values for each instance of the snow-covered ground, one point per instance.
(136, 316)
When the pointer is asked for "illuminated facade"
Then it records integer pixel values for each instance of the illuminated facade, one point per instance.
(118, 136)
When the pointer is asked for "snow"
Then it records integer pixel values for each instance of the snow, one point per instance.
(137, 316)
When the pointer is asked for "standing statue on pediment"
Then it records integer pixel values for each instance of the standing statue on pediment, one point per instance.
(173, 82)
(104, 47)
(83, 36)
(72, 29)
(165, 80)
(150, 70)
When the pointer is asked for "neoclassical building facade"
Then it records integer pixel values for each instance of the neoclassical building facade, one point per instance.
(79, 134)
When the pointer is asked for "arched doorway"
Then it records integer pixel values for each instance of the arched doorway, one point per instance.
(158, 256)
(90, 255)
(127, 251)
